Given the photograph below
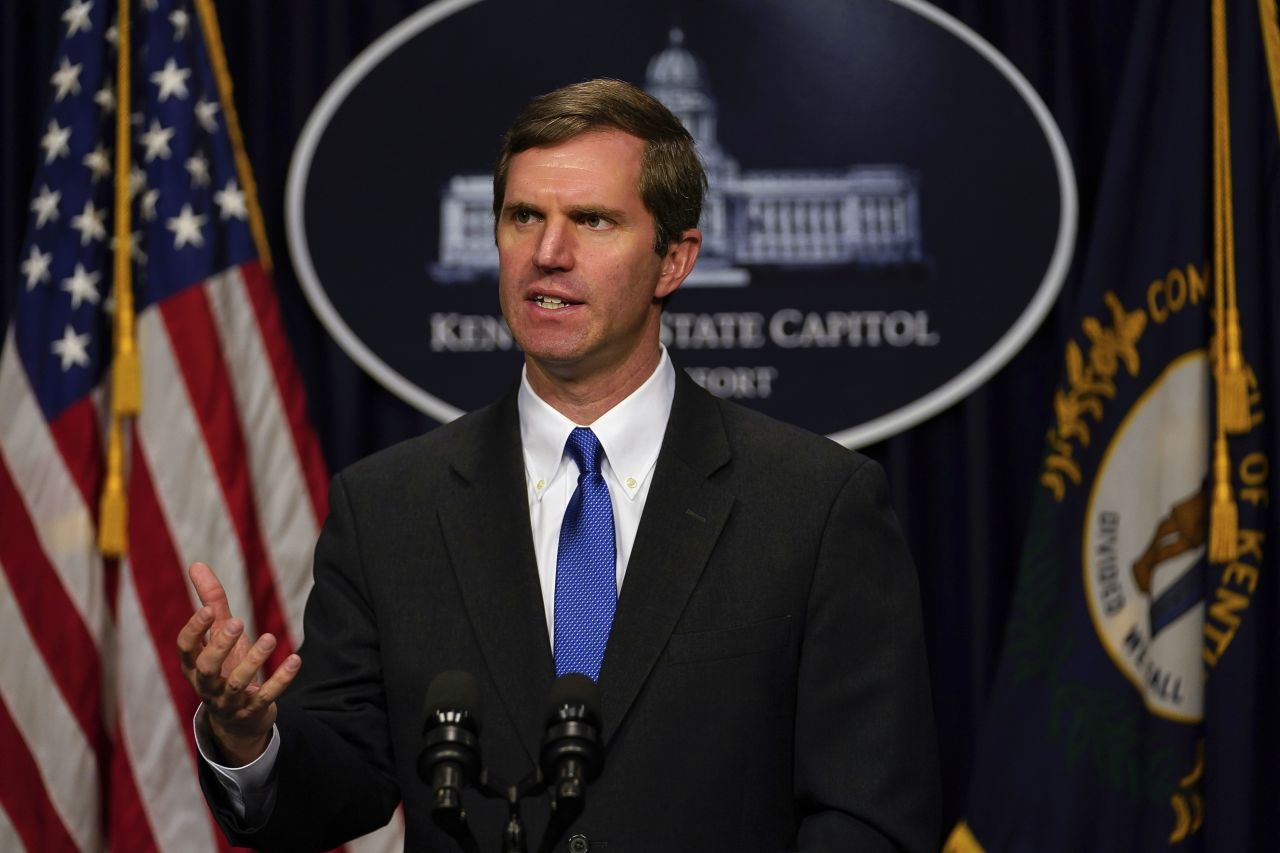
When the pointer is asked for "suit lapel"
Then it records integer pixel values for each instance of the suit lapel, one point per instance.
(486, 529)
(683, 516)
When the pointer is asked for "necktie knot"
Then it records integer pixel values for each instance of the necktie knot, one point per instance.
(585, 449)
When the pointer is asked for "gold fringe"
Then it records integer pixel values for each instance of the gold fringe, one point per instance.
(1271, 41)
(218, 59)
(1223, 520)
(113, 512)
(1181, 818)
(126, 378)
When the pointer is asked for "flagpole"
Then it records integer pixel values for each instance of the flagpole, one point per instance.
(1267, 16)
(222, 77)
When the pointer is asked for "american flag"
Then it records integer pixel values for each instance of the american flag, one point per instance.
(221, 465)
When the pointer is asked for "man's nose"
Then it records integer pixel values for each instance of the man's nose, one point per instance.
(555, 246)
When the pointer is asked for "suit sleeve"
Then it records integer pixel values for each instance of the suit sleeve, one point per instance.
(333, 776)
(866, 751)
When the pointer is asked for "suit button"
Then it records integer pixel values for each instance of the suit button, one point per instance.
(579, 844)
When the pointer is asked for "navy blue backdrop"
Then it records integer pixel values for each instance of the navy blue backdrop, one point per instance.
(962, 480)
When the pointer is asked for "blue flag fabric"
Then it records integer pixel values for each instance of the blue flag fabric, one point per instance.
(1135, 705)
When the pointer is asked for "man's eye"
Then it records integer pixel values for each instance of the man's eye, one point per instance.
(523, 217)
(595, 221)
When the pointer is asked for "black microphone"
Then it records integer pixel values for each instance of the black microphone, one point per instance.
(449, 760)
(572, 754)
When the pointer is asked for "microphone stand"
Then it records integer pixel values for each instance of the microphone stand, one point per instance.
(514, 837)
(454, 823)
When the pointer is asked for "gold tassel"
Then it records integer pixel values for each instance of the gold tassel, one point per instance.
(113, 513)
(1235, 383)
(1223, 519)
(126, 379)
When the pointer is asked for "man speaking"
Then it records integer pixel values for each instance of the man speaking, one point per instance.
(738, 588)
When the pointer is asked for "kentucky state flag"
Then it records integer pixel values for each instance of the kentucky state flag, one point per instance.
(1135, 705)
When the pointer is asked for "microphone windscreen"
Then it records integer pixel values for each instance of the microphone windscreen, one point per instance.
(575, 690)
(454, 690)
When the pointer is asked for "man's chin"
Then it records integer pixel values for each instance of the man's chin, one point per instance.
(562, 363)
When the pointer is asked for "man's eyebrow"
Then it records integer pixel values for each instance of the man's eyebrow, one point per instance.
(518, 207)
(583, 210)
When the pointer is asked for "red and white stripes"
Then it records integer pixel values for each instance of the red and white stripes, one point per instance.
(95, 715)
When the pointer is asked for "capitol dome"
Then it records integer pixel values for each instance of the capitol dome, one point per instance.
(674, 67)
(676, 78)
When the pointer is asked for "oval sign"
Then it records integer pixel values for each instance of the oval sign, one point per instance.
(891, 209)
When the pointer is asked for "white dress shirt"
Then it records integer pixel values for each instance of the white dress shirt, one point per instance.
(631, 435)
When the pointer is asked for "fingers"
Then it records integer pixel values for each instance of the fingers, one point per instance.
(269, 691)
(208, 664)
(191, 637)
(210, 590)
(243, 674)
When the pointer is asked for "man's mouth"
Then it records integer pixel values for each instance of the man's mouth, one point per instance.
(551, 302)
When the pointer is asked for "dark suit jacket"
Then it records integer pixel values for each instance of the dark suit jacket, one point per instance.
(764, 687)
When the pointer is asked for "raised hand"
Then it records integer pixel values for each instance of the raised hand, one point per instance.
(224, 669)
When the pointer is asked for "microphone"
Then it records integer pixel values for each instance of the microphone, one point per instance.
(572, 754)
(449, 759)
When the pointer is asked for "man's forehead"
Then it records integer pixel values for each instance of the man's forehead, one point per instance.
(606, 159)
(607, 147)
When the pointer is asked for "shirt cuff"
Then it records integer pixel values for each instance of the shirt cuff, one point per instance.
(250, 789)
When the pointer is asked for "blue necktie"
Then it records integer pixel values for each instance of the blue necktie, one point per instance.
(586, 588)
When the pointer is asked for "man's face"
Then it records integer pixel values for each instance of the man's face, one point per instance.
(579, 280)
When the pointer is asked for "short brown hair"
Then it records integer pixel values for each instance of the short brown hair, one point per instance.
(672, 180)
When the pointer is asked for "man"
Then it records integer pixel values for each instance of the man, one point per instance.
(763, 685)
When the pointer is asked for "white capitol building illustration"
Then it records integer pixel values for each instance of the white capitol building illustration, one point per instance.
(864, 215)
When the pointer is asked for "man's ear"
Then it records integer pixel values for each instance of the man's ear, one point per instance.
(678, 262)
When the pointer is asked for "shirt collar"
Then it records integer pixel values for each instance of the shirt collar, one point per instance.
(630, 433)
